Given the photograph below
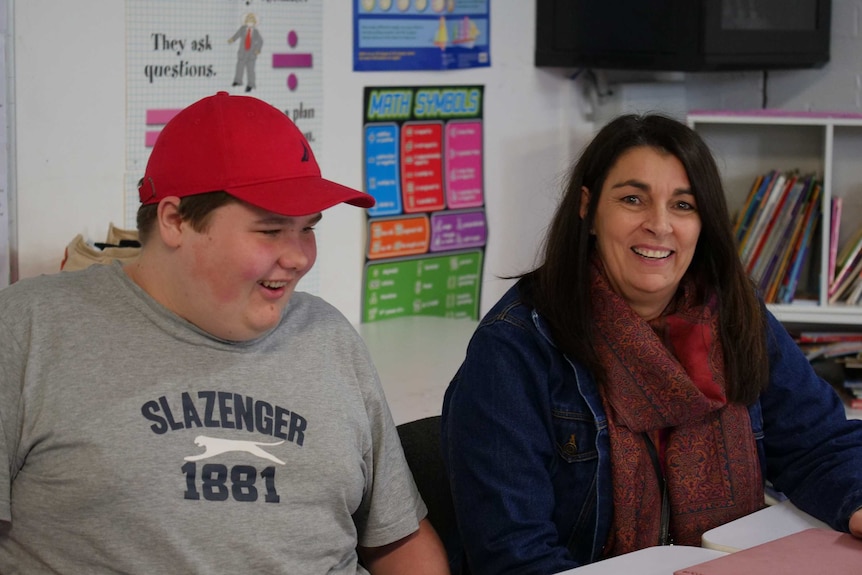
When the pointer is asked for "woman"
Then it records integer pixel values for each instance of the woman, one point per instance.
(632, 390)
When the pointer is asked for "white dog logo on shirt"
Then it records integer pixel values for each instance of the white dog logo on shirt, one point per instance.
(215, 446)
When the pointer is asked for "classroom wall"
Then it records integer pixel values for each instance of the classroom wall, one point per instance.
(70, 89)
(69, 105)
(532, 127)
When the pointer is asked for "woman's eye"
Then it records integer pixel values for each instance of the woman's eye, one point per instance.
(685, 206)
(634, 200)
(270, 232)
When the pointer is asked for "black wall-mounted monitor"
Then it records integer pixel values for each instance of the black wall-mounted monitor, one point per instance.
(683, 35)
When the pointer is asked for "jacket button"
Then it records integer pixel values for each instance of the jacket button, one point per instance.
(571, 446)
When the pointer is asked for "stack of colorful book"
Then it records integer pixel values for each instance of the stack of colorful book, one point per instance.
(845, 265)
(775, 231)
(837, 358)
(853, 382)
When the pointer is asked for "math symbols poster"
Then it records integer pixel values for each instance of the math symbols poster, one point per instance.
(423, 157)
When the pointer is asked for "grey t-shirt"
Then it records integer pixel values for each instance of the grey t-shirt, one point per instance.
(137, 443)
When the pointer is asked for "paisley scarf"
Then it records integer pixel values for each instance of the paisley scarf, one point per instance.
(665, 379)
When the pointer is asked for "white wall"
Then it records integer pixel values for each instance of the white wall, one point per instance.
(70, 102)
(838, 85)
(70, 92)
(70, 117)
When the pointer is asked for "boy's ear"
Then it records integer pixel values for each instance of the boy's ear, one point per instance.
(169, 221)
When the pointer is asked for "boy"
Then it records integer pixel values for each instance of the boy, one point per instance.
(188, 412)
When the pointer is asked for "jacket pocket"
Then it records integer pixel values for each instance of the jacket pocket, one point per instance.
(574, 435)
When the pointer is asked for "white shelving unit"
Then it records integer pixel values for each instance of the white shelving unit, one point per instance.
(747, 144)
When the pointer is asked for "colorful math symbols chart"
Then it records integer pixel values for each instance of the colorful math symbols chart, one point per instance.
(464, 164)
(444, 285)
(381, 168)
(422, 166)
(458, 230)
(396, 237)
(423, 158)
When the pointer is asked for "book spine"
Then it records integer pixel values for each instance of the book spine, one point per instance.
(842, 287)
(848, 264)
(791, 240)
(802, 252)
(828, 337)
(834, 229)
(744, 215)
(761, 218)
(753, 205)
(779, 241)
(765, 236)
(844, 261)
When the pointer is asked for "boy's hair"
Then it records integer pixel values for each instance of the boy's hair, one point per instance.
(194, 209)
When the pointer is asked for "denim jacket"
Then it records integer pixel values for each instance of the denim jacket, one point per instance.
(527, 451)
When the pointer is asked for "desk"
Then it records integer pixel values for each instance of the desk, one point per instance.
(761, 526)
(650, 561)
(416, 357)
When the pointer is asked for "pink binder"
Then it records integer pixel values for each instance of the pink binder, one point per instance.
(803, 553)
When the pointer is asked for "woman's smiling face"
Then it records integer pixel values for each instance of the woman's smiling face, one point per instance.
(646, 227)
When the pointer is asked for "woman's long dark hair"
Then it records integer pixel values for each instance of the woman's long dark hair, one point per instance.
(559, 287)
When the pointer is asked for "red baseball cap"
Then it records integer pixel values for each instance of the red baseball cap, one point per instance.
(247, 148)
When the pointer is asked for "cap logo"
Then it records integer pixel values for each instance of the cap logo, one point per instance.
(304, 153)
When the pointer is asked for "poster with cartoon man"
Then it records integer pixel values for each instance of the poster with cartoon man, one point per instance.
(178, 51)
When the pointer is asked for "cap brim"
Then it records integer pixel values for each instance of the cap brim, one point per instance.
(300, 196)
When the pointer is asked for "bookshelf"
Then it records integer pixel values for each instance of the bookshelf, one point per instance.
(748, 144)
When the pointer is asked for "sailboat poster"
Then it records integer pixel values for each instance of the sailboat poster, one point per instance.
(392, 35)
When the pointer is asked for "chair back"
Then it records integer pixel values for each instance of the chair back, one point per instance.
(421, 442)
